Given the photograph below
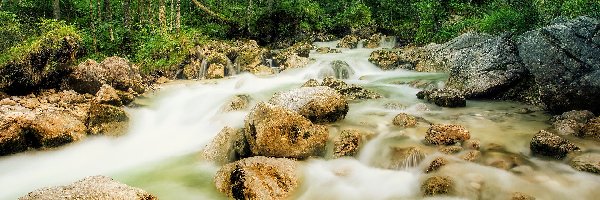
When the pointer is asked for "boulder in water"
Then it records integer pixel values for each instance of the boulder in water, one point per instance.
(237, 102)
(93, 187)
(12, 135)
(374, 41)
(405, 120)
(318, 104)
(548, 144)
(437, 185)
(275, 131)
(389, 60)
(446, 134)
(444, 98)
(351, 92)
(258, 178)
(215, 71)
(348, 41)
(311, 83)
(341, 69)
(106, 119)
(108, 95)
(89, 76)
(521, 196)
(592, 129)
(436, 164)
(589, 162)
(227, 146)
(405, 157)
(53, 129)
(347, 143)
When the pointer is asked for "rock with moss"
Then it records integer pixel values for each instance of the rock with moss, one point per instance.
(591, 129)
(93, 187)
(41, 62)
(588, 162)
(108, 95)
(453, 149)
(437, 185)
(374, 41)
(259, 178)
(249, 56)
(325, 50)
(446, 134)
(106, 119)
(318, 104)
(341, 69)
(215, 71)
(348, 41)
(404, 120)
(13, 135)
(351, 92)
(444, 98)
(551, 145)
(521, 196)
(54, 129)
(89, 76)
(227, 146)
(571, 122)
(237, 102)
(311, 83)
(347, 143)
(471, 156)
(276, 131)
(436, 164)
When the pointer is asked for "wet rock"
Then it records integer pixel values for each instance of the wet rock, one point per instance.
(318, 104)
(279, 132)
(215, 71)
(446, 134)
(444, 98)
(472, 144)
(405, 120)
(258, 178)
(548, 144)
(348, 41)
(3, 95)
(450, 149)
(311, 83)
(374, 41)
(571, 122)
(563, 61)
(405, 157)
(592, 129)
(295, 61)
(108, 95)
(250, 56)
(227, 146)
(341, 69)
(53, 129)
(521, 196)
(106, 119)
(237, 102)
(13, 136)
(588, 162)
(471, 156)
(388, 60)
(93, 187)
(127, 96)
(301, 49)
(89, 76)
(437, 185)
(347, 143)
(325, 50)
(192, 70)
(436, 164)
(162, 80)
(262, 70)
(351, 92)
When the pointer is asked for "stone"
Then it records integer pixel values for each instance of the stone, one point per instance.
(13, 137)
(450, 149)
(446, 134)
(108, 95)
(471, 156)
(106, 119)
(89, 76)
(53, 129)
(437, 185)
(227, 146)
(318, 104)
(295, 61)
(348, 41)
(571, 122)
(93, 187)
(347, 143)
(444, 98)
(471, 144)
(341, 69)
(351, 92)
(548, 144)
(237, 102)
(374, 41)
(521, 196)
(279, 132)
(388, 60)
(405, 157)
(215, 71)
(311, 83)
(405, 120)
(592, 129)
(258, 178)
(588, 162)
(436, 164)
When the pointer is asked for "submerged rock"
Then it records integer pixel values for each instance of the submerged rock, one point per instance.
(227, 146)
(571, 122)
(347, 143)
(405, 120)
(237, 102)
(389, 60)
(279, 132)
(258, 178)
(405, 157)
(348, 41)
(341, 69)
(592, 129)
(374, 41)
(93, 187)
(521, 196)
(436, 164)
(589, 162)
(437, 185)
(446, 134)
(318, 104)
(548, 144)
(106, 119)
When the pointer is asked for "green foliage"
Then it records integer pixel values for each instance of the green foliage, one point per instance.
(430, 13)
(354, 16)
(502, 20)
(10, 30)
(574, 8)
(52, 37)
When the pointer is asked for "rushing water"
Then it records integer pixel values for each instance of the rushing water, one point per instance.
(160, 153)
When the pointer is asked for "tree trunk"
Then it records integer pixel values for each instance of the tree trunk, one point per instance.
(126, 14)
(56, 9)
(99, 10)
(110, 19)
(150, 15)
(93, 26)
(172, 16)
(162, 16)
(178, 17)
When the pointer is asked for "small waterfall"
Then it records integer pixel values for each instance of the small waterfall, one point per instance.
(203, 69)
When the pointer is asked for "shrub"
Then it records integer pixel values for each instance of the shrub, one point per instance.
(10, 30)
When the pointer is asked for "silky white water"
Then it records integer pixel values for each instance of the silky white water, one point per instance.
(160, 152)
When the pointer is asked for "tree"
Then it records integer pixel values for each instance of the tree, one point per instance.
(178, 17)
(56, 9)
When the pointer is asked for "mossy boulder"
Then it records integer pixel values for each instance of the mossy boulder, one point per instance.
(89, 76)
(347, 143)
(318, 104)
(437, 185)
(446, 134)
(404, 120)
(351, 92)
(589, 162)
(106, 119)
(551, 145)
(348, 41)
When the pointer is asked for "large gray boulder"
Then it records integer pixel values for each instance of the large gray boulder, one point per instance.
(89, 76)
(551, 145)
(93, 187)
(563, 60)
